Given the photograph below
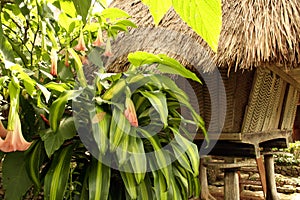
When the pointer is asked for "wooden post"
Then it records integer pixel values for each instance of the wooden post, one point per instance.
(262, 173)
(270, 178)
(231, 184)
(205, 195)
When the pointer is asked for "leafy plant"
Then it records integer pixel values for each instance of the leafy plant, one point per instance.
(123, 135)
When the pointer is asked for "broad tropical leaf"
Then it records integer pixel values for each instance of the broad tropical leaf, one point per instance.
(15, 178)
(196, 14)
(158, 8)
(53, 140)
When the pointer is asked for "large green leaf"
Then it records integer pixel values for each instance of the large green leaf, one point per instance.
(82, 8)
(53, 140)
(204, 16)
(15, 178)
(158, 8)
(168, 65)
(57, 176)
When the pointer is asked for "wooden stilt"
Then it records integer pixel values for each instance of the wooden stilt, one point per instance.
(231, 184)
(270, 178)
(262, 173)
(205, 195)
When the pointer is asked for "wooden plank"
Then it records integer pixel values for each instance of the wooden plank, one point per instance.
(222, 136)
(259, 137)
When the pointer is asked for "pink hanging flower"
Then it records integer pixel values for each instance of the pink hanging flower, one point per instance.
(108, 52)
(14, 140)
(84, 60)
(53, 70)
(130, 113)
(81, 44)
(99, 40)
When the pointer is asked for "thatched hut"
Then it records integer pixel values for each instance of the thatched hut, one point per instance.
(258, 59)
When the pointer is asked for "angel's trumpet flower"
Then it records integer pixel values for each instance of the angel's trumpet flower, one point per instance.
(99, 40)
(14, 140)
(130, 113)
(53, 70)
(108, 52)
(81, 44)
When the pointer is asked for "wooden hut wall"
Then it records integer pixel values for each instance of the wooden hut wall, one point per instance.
(272, 104)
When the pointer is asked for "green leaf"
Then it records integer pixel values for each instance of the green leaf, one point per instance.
(5, 47)
(129, 181)
(205, 18)
(113, 14)
(15, 178)
(168, 65)
(58, 107)
(34, 160)
(138, 158)
(66, 22)
(82, 8)
(53, 140)
(68, 8)
(172, 66)
(59, 87)
(78, 67)
(99, 181)
(45, 92)
(57, 176)
(144, 191)
(158, 8)
(159, 102)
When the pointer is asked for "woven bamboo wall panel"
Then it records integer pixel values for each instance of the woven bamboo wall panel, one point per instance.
(290, 108)
(237, 87)
(264, 102)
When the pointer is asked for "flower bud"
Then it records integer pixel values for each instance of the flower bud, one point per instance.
(130, 113)
(53, 70)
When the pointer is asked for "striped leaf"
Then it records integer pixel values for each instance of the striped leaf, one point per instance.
(159, 102)
(57, 176)
(99, 181)
(58, 107)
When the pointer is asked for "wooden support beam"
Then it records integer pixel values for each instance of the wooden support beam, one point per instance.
(284, 75)
(270, 178)
(262, 173)
(231, 184)
(222, 136)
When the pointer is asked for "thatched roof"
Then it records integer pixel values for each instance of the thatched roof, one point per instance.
(255, 33)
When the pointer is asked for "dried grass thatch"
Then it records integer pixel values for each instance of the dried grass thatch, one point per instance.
(254, 32)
